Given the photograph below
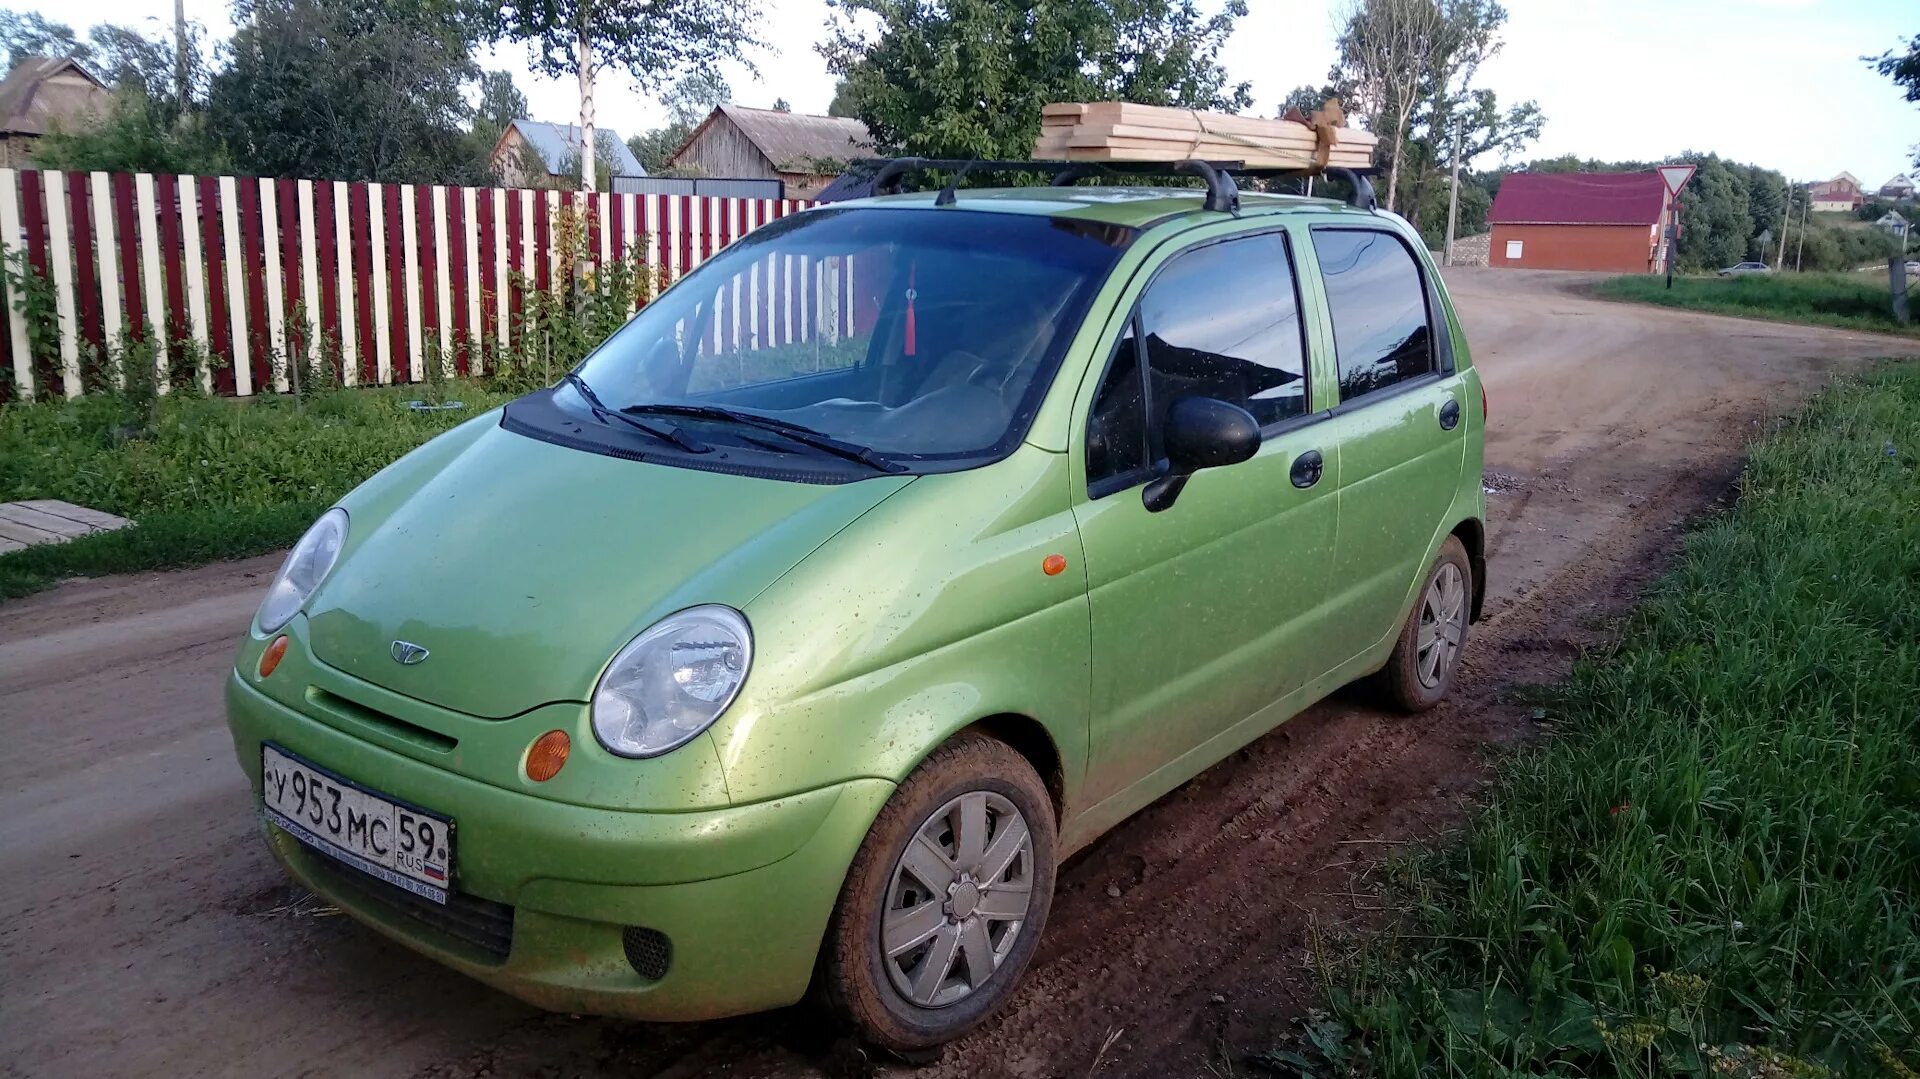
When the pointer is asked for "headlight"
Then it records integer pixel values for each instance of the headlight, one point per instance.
(306, 566)
(673, 681)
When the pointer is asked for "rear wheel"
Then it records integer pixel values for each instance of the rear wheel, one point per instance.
(1420, 671)
(944, 903)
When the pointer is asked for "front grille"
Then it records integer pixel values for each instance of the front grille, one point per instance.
(648, 950)
(480, 924)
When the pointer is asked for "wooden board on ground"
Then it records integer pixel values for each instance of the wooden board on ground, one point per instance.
(46, 520)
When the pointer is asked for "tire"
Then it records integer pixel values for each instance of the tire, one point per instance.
(1412, 680)
(895, 1003)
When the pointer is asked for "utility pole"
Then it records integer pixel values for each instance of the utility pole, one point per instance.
(1453, 197)
(1786, 218)
(180, 54)
(1801, 247)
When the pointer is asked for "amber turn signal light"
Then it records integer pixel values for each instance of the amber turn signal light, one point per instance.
(1054, 565)
(548, 755)
(272, 656)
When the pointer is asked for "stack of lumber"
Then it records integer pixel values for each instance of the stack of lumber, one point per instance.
(1122, 131)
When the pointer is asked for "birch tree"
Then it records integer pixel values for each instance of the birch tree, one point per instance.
(649, 40)
(1388, 52)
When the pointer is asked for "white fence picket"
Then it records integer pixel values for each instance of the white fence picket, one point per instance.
(469, 215)
(410, 260)
(106, 259)
(343, 257)
(10, 247)
(196, 279)
(377, 231)
(310, 320)
(276, 294)
(420, 261)
(442, 280)
(235, 260)
(146, 210)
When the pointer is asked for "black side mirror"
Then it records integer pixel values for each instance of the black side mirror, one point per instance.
(1201, 432)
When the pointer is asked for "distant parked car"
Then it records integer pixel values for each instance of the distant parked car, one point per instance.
(1746, 267)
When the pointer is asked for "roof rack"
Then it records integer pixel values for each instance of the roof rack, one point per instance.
(1223, 194)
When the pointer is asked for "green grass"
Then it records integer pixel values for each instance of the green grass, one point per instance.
(1854, 301)
(1715, 869)
(205, 478)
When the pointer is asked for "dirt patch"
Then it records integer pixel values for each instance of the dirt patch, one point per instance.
(143, 928)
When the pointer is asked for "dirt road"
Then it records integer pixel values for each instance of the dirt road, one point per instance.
(143, 929)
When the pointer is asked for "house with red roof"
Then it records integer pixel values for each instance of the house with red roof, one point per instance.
(1579, 221)
(1840, 195)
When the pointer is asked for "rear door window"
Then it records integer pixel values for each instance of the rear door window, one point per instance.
(1382, 333)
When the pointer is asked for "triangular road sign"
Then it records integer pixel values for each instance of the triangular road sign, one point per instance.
(1675, 177)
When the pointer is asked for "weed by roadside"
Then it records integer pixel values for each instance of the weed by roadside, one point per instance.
(1714, 869)
(205, 478)
(1854, 301)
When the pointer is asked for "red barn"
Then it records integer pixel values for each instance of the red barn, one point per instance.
(1579, 221)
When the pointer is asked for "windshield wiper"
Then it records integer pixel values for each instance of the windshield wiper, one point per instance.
(795, 432)
(663, 432)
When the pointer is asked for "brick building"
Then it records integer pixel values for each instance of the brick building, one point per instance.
(1579, 221)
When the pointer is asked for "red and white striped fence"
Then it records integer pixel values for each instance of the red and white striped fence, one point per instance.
(250, 271)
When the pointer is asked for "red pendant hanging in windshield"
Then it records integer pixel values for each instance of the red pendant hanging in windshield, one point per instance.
(912, 342)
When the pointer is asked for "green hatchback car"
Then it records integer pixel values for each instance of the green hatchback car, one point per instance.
(894, 554)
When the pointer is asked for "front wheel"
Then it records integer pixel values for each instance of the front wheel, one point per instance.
(1420, 671)
(944, 903)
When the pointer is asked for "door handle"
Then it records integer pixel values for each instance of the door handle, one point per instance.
(1306, 469)
(1450, 415)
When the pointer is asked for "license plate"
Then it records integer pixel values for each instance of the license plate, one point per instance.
(404, 845)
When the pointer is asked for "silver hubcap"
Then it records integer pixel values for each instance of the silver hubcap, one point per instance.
(1443, 623)
(957, 899)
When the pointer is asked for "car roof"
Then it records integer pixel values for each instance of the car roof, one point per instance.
(1136, 207)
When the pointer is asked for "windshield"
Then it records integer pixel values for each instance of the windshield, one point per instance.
(919, 335)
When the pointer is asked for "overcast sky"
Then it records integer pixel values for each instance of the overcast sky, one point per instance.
(1774, 82)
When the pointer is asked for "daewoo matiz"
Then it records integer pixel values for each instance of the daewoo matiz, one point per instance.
(897, 552)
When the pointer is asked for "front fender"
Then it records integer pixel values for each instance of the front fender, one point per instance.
(929, 614)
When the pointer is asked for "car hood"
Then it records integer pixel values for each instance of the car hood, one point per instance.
(521, 566)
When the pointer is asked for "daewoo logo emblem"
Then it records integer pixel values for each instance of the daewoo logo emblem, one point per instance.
(406, 653)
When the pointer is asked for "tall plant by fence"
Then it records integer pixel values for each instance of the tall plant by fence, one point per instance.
(239, 284)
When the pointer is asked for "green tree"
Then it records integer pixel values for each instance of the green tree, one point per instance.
(689, 100)
(137, 133)
(845, 103)
(29, 33)
(1431, 84)
(1388, 54)
(123, 55)
(1305, 98)
(147, 126)
(501, 102)
(647, 39)
(350, 90)
(960, 78)
(605, 162)
(1767, 196)
(1904, 69)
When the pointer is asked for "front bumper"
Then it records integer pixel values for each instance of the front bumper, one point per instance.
(741, 896)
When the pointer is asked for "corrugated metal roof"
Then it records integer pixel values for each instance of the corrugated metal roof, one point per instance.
(555, 143)
(28, 102)
(699, 185)
(792, 138)
(1579, 198)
